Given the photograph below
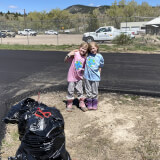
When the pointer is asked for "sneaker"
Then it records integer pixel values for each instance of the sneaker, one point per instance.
(82, 105)
(69, 105)
(84, 109)
(69, 109)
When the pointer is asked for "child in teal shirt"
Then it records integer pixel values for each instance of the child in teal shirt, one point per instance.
(92, 75)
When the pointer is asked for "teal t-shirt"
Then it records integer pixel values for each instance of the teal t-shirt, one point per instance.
(93, 63)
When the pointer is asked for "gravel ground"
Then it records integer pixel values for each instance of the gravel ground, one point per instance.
(44, 39)
(125, 127)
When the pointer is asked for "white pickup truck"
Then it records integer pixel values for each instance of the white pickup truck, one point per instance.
(28, 32)
(106, 33)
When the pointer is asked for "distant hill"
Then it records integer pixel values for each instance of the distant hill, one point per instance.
(85, 9)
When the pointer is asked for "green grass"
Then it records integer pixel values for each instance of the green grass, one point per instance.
(144, 47)
(135, 46)
(39, 47)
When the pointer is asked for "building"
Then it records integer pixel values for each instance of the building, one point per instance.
(137, 27)
(153, 26)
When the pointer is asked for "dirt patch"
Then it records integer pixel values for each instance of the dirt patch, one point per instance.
(61, 39)
(125, 127)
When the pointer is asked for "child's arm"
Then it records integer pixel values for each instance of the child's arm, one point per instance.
(100, 69)
(70, 54)
(101, 64)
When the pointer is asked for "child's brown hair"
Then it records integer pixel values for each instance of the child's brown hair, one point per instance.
(93, 44)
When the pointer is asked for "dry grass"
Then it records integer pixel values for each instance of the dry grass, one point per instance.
(125, 127)
(61, 39)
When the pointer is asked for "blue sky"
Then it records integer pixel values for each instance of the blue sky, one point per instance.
(48, 5)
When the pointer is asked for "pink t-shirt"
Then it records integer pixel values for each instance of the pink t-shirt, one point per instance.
(76, 69)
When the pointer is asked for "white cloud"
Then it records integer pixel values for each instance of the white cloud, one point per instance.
(12, 6)
(91, 4)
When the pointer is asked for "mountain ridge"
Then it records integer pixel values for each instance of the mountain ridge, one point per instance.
(85, 9)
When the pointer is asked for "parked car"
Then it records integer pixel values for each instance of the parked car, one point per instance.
(28, 32)
(106, 33)
(51, 32)
(128, 33)
(9, 33)
(67, 31)
(2, 35)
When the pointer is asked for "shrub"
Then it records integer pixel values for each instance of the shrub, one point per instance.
(122, 39)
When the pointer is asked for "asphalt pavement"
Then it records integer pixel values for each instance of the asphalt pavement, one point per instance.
(131, 73)
(24, 73)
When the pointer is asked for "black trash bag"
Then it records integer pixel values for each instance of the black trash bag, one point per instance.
(41, 131)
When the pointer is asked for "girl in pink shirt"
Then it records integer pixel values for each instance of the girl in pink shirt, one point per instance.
(75, 75)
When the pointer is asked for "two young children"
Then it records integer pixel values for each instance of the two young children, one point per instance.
(85, 63)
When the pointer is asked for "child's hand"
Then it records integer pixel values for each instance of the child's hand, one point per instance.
(76, 50)
(82, 71)
(72, 52)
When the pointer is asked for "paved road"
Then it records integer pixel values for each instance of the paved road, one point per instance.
(132, 73)
(26, 72)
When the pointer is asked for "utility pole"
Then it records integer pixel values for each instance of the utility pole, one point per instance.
(25, 25)
(24, 18)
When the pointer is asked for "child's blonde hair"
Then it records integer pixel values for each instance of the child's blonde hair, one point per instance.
(85, 45)
(91, 44)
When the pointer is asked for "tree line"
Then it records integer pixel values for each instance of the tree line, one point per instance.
(57, 19)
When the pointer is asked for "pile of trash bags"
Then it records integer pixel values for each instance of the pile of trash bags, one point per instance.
(41, 131)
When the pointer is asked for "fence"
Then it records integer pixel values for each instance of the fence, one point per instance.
(78, 25)
(70, 30)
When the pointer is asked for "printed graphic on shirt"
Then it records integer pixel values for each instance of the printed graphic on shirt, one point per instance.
(78, 65)
(91, 62)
